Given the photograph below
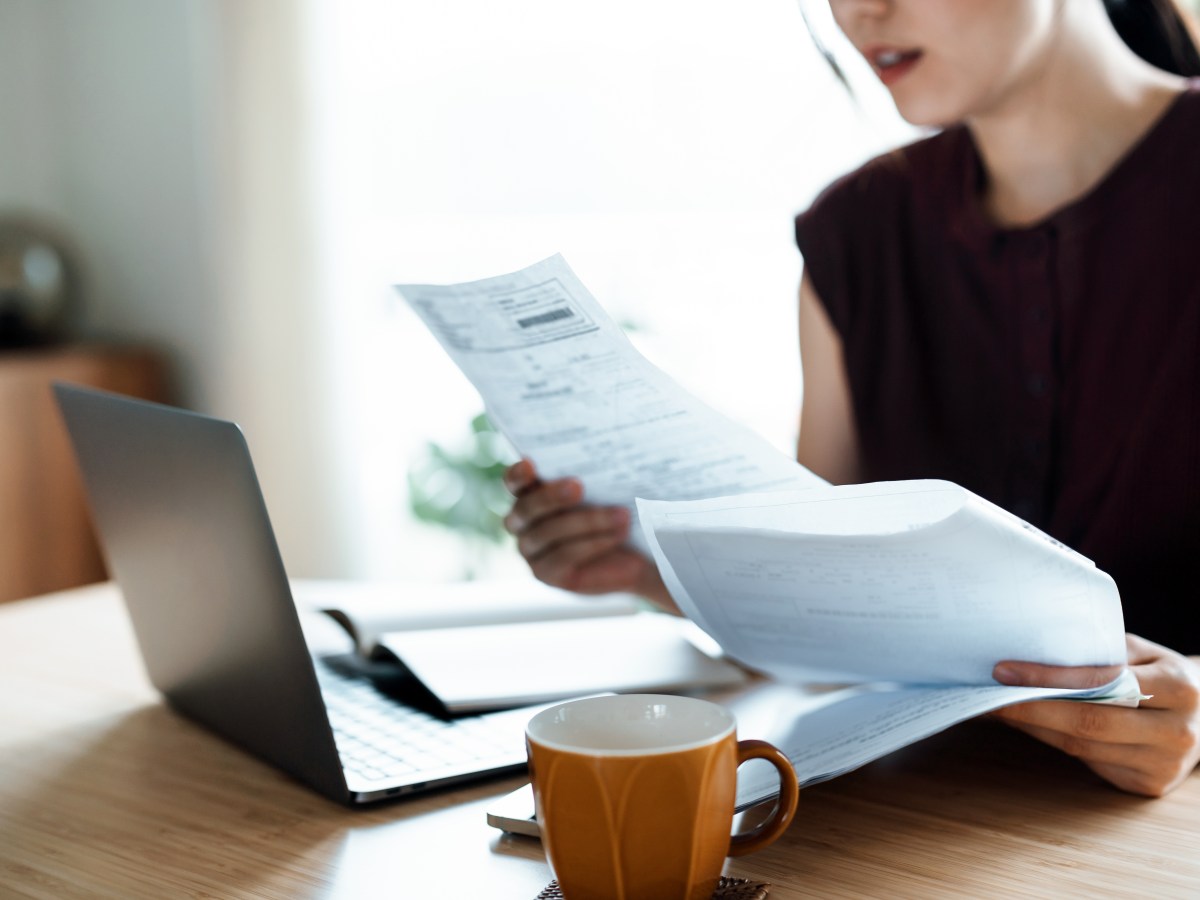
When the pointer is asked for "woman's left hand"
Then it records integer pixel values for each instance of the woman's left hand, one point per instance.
(1148, 750)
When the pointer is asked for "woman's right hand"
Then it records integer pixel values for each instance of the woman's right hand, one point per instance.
(569, 544)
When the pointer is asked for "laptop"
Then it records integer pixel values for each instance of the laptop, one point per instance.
(184, 528)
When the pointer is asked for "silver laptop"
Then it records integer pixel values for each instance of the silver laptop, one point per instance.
(185, 531)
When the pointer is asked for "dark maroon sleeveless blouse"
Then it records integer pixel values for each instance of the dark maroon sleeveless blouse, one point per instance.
(1054, 370)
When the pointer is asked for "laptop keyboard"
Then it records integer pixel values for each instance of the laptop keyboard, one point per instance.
(383, 740)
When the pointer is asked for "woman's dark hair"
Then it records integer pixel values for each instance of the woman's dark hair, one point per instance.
(1157, 31)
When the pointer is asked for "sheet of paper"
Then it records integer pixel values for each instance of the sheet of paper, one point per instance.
(919, 581)
(562, 382)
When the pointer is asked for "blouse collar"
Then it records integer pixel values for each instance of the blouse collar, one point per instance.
(971, 223)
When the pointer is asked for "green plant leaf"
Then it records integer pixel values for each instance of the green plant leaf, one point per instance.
(463, 489)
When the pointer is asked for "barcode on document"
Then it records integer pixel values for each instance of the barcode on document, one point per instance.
(552, 316)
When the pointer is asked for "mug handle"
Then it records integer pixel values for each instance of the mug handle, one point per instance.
(785, 809)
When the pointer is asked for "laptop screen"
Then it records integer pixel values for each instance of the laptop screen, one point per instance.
(185, 531)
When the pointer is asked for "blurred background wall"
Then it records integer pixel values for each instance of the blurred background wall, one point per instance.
(168, 141)
(244, 179)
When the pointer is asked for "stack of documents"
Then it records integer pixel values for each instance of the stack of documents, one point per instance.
(909, 591)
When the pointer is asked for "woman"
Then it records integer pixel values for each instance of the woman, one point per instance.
(1012, 304)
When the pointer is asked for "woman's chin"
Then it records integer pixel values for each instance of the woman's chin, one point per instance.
(924, 113)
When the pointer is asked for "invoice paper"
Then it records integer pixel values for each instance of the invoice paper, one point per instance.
(913, 590)
(563, 383)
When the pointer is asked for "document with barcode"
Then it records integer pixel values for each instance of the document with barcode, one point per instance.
(563, 383)
(910, 591)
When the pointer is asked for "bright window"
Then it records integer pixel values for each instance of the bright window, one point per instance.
(663, 147)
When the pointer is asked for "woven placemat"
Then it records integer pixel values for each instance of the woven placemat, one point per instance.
(727, 889)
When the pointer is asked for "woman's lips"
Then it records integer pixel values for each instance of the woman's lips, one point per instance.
(892, 63)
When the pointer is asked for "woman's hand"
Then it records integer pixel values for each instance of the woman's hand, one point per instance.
(1149, 750)
(571, 545)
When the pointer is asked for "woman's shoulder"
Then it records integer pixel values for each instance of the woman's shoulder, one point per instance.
(930, 169)
(851, 231)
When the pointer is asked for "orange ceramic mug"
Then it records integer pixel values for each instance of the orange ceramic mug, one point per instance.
(635, 795)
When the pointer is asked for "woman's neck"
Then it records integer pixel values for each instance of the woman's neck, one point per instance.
(1050, 140)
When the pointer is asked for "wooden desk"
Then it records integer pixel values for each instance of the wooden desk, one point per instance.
(104, 792)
